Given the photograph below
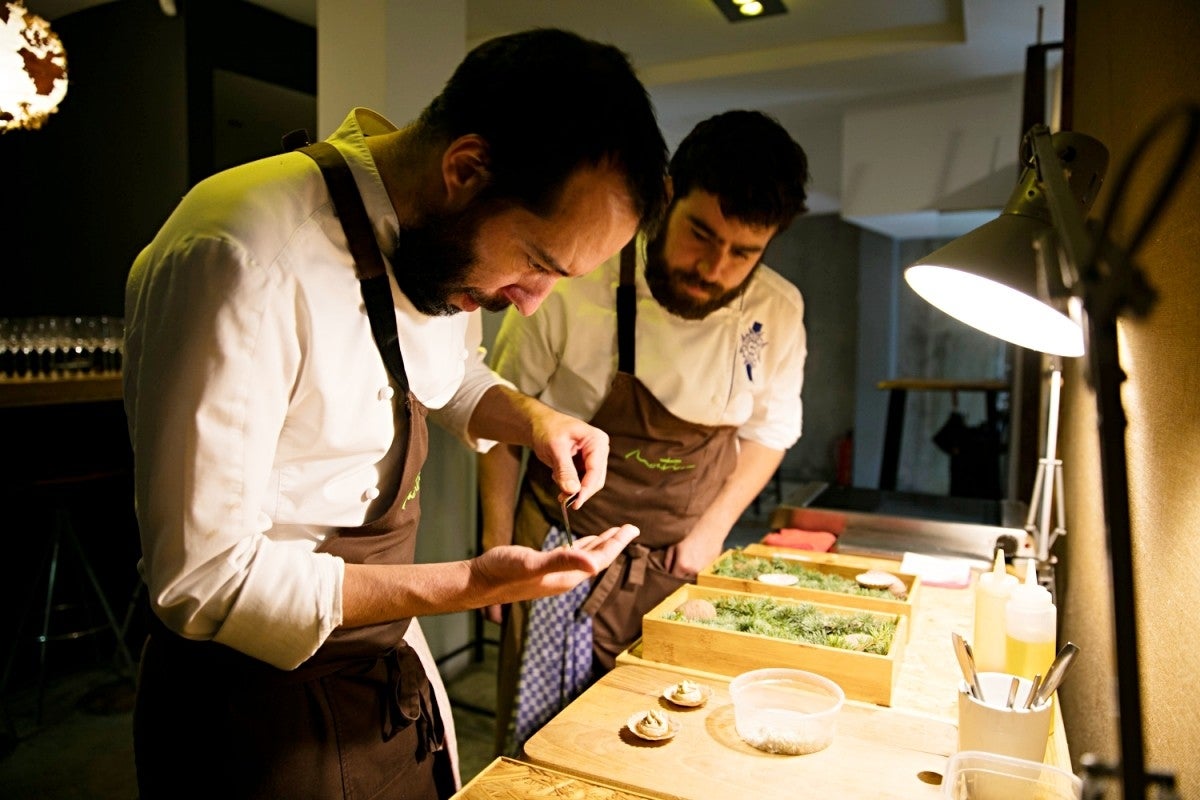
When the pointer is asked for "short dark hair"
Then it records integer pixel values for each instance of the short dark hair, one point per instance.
(549, 102)
(749, 162)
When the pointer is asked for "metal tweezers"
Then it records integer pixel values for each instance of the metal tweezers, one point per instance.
(564, 500)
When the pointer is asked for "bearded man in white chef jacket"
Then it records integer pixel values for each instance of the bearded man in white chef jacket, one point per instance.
(689, 352)
(288, 329)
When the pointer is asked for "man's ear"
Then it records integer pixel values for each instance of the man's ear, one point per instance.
(465, 170)
(670, 186)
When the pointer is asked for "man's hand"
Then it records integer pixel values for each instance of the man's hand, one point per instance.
(510, 573)
(693, 553)
(558, 439)
(373, 593)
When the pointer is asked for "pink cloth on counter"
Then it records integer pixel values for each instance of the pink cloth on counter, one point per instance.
(818, 541)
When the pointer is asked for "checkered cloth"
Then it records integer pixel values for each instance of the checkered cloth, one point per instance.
(556, 664)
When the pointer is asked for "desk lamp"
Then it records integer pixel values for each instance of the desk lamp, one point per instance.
(989, 279)
(1040, 247)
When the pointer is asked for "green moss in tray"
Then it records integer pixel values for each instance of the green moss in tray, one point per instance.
(739, 565)
(864, 632)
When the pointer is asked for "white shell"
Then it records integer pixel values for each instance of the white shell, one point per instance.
(778, 579)
(875, 579)
(669, 694)
(672, 727)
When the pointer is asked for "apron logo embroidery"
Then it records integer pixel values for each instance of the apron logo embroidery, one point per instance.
(663, 464)
(416, 490)
(751, 350)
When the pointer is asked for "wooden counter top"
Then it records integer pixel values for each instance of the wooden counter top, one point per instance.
(876, 752)
(929, 672)
(507, 779)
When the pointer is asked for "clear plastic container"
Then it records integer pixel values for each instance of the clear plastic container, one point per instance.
(975, 775)
(786, 711)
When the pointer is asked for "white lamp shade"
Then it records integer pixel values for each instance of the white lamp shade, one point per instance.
(988, 279)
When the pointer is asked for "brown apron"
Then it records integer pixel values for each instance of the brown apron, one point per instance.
(358, 719)
(663, 472)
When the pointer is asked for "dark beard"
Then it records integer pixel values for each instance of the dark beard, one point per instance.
(433, 259)
(667, 287)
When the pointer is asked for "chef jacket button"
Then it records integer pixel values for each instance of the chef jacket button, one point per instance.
(371, 494)
(362, 309)
(387, 393)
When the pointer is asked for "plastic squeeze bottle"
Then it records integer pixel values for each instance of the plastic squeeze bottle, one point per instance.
(992, 591)
(1030, 620)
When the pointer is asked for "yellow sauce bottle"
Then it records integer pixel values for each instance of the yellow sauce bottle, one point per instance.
(992, 590)
(1030, 620)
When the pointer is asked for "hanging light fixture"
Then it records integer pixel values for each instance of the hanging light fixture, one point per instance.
(33, 68)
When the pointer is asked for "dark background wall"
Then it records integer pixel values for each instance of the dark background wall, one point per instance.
(154, 104)
(100, 176)
(820, 255)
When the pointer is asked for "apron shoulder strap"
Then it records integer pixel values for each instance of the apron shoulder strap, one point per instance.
(627, 309)
(368, 261)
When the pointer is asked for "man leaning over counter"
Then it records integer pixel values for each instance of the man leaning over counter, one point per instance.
(288, 329)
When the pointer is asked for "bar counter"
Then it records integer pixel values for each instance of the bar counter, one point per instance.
(18, 392)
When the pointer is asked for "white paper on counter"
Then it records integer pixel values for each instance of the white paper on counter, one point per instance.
(952, 573)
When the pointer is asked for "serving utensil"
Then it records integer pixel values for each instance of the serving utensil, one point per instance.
(1057, 671)
(564, 500)
(1033, 687)
(1012, 692)
(966, 662)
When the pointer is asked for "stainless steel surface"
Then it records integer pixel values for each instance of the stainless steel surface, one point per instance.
(966, 662)
(1012, 692)
(564, 500)
(891, 535)
(1056, 672)
(974, 672)
(1033, 689)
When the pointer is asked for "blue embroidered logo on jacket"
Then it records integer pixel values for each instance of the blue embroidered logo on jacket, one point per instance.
(751, 350)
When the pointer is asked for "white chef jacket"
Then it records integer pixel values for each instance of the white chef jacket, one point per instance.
(742, 365)
(259, 409)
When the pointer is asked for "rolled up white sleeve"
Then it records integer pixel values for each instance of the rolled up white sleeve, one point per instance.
(207, 389)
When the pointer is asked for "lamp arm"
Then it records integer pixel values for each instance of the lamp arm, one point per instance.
(1071, 235)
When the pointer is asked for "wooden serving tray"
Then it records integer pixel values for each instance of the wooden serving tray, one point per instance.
(886, 605)
(862, 563)
(880, 753)
(508, 779)
(862, 676)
